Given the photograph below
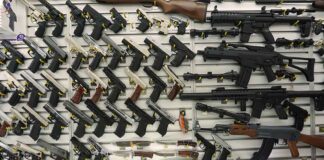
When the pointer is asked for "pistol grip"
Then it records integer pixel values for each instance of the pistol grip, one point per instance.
(15, 98)
(271, 76)
(265, 149)
(121, 128)
(4, 128)
(155, 95)
(80, 27)
(100, 129)
(293, 148)
(80, 130)
(55, 64)
(18, 128)
(13, 65)
(35, 64)
(115, 60)
(33, 98)
(257, 107)
(136, 63)
(280, 111)
(158, 61)
(96, 61)
(59, 26)
(41, 29)
(141, 129)
(136, 94)
(35, 130)
(77, 97)
(96, 97)
(224, 154)
(244, 77)
(114, 94)
(77, 62)
(209, 152)
(268, 36)
(163, 127)
(178, 59)
(57, 130)
(54, 97)
(174, 91)
(97, 31)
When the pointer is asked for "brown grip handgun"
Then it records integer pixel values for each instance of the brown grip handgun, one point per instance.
(174, 91)
(96, 97)
(191, 154)
(136, 94)
(4, 128)
(77, 97)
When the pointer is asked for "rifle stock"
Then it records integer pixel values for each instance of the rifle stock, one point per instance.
(318, 4)
(193, 10)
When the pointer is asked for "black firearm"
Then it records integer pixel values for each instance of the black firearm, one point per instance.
(119, 21)
(82, 88)
(232, 75)
(180, 24)
(181, 50)
(315, 3)
(55, 152)
(209, 149)
(158, 51)
(117, 86)
(104, 119)
(16, 57)
(119, 53)
(78, 16)
(100, 22)
(283, 42)
(3, 90)
(59, 122)
(20, 89)
(253, 57)
(55, 16)
(40, 57)
(84, 120)
(122, 119)
(251, 22)
(222, 32)
(20, 123)
(261, 98)
(298, 113)
(143, 118)
(37, 120)
(82, 151)
(240, 117)
(165, 118)
(82, 55)
(99, 151)
(97, 50)
(53, 85)
(139, 53)
(3, 58)
(59, 56)
(159, 85)
(35, 89)
(146, 22)
(8, 152)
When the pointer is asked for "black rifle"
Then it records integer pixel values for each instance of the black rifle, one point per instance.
(82, 88)
(40, 57)
(283, 42)
(100, 22)
(119, 53)
(252, 57)
(260, 21)
(144, 118)
(59, 122)
(209, 149)
(16, 57)
(182, 51)
(59, 56)
(159, 85)
(119, 21)
(81, 116)
(261, 98)
(158, 51)
(56, 16)
(117, 85)
(223, 33)
(232, 75)
(78, 16)
(83, 152)
(240, 117)
(104, 119)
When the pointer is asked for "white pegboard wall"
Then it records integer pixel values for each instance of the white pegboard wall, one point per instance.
(242, 146)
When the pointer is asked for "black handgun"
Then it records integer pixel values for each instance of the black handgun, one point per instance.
(59, 56)
(182, 51)
(159, 85)
(119, 21)
(16, 57)
(78, 16)
(160, 53)
(82, 88)
(209, 148)
(59, 122)
(56, 16)
(83, 152)
(117, 85)
(40, 57)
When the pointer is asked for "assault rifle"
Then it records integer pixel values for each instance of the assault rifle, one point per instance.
(20, 90)
(98, 150)
(232, 75)
(81, 54)
(261, 98)
(119, 53)
(59, 122)
(297, 43)
(55, 152)
(140, 86)
(53, 85)
(82, 151)
(119, 21)
(223, 33)
(55, 16)
(102, 87)
(40, 57)
(139, 53)
(78, 16)
(35, 89)
(165, 118)
(8, 152)
(122, 119)
(159, 85)
(104, 119)
(260, 21)
(6, 123)
(37, 120)
(146, 21)
(20, 123)
(16, 57)
(178, 84)
(99, 52)
(158, 51)
(117, 86)
(181, 50)
(83, 119)
(29, 152)
(59, 56)
(252, 57)
(100, 22)
(144, 118)
(194, 10)
(82, 88)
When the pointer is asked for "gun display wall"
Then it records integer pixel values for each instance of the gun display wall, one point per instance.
(178, 79)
